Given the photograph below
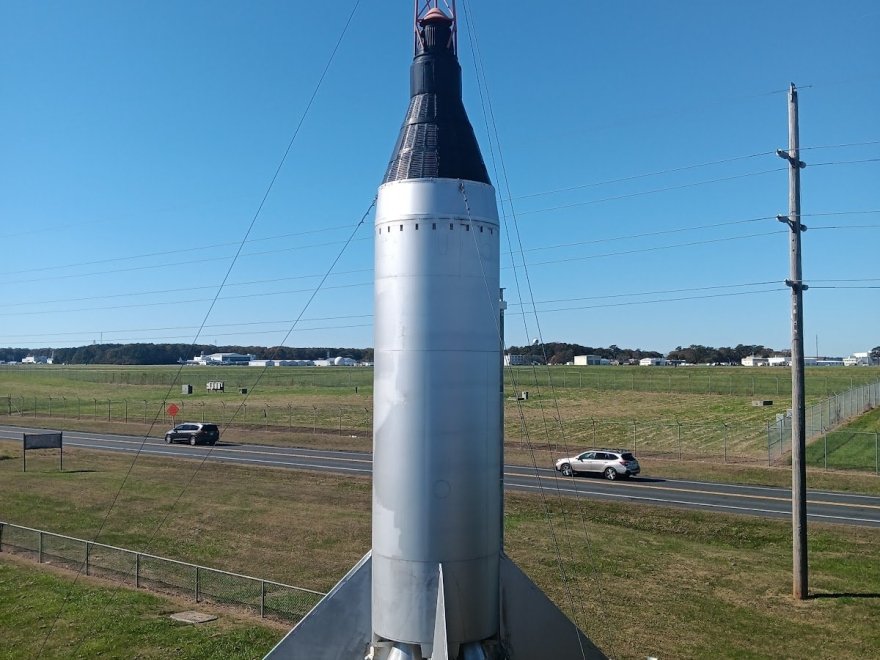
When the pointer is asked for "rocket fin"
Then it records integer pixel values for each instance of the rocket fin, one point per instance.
(440, 650)
(339, 626)
(532, 627)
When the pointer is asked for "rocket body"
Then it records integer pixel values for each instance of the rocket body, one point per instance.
(437, 436)
(437, 491)
(436, 584)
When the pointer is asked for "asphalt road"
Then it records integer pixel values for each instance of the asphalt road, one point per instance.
(822, 506)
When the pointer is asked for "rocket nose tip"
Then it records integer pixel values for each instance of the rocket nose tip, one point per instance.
(435, 15)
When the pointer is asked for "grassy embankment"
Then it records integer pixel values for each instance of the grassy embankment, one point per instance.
(642, 580)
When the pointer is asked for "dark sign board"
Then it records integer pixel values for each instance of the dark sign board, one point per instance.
(41, 441)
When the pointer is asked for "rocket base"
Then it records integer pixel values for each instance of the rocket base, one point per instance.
(340, 626)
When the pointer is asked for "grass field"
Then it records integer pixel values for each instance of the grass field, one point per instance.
(697, 413)
(641, 580)
(99, 620)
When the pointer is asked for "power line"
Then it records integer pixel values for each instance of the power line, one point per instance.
(658, 248)
(844, 162)
(163, 303)
(165, 253)
(652, 293)
(644, 175)
(653, 191)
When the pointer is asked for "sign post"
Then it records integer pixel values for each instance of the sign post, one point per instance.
(41, 441)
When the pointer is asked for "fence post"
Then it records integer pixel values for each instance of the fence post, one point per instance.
(635, 439)
(50, 406)
(769, 456)
(679, 440)
(35, 407)
(197, 584)
(726, 431)
(825, 451)
(1, 537)
(88, 548)
(126, 410)
(262, 598)
(876, 455)
(40, 547)
(137, 570)
(108, 410)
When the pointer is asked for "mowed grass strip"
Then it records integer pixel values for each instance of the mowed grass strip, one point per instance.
(641, 580)
(853, 446)
(92, 619)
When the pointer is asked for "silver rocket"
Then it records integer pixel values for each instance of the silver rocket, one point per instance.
(436, 583)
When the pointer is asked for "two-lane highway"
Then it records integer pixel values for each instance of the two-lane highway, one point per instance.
(822, 506)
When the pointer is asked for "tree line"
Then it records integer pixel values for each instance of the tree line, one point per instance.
(551, 353)
(150, 354)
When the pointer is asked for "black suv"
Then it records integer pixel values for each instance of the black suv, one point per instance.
(194, 433)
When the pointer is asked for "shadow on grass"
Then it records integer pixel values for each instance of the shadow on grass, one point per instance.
(844, 595)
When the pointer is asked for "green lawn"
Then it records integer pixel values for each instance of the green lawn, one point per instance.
(674, 584)
(43, 614)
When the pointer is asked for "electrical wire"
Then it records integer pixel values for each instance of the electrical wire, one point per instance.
(654, 191)
(189, 250)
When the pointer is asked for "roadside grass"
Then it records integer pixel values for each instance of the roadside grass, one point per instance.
(99, 620)
(641, 580)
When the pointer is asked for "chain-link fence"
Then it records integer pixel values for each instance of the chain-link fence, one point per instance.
(715, 442)
(837, 449)
(345, 420)
(141, 570)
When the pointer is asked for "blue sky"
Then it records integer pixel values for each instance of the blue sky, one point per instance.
(138, 139)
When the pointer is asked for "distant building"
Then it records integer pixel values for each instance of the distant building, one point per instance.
(512, 360)
(779, 361)
(281, 363)
(224, 359)
(36, 359)
(755, 361)
(336, 362)
(589, 360)
(862, 359)
(652, 362)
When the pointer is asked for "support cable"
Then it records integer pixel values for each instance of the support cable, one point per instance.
(204, 321)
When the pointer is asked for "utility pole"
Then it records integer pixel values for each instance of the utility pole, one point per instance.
(800, 585)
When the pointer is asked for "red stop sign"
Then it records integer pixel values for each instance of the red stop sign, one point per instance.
(173, 410)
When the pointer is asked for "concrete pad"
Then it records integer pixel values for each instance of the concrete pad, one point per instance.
(193, 617)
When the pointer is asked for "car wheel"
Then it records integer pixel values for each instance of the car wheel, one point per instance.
(167, 439)
(610, 474)
(192, 441)
(566, 470)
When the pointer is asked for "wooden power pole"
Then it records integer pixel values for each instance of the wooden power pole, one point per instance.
(800, 584)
